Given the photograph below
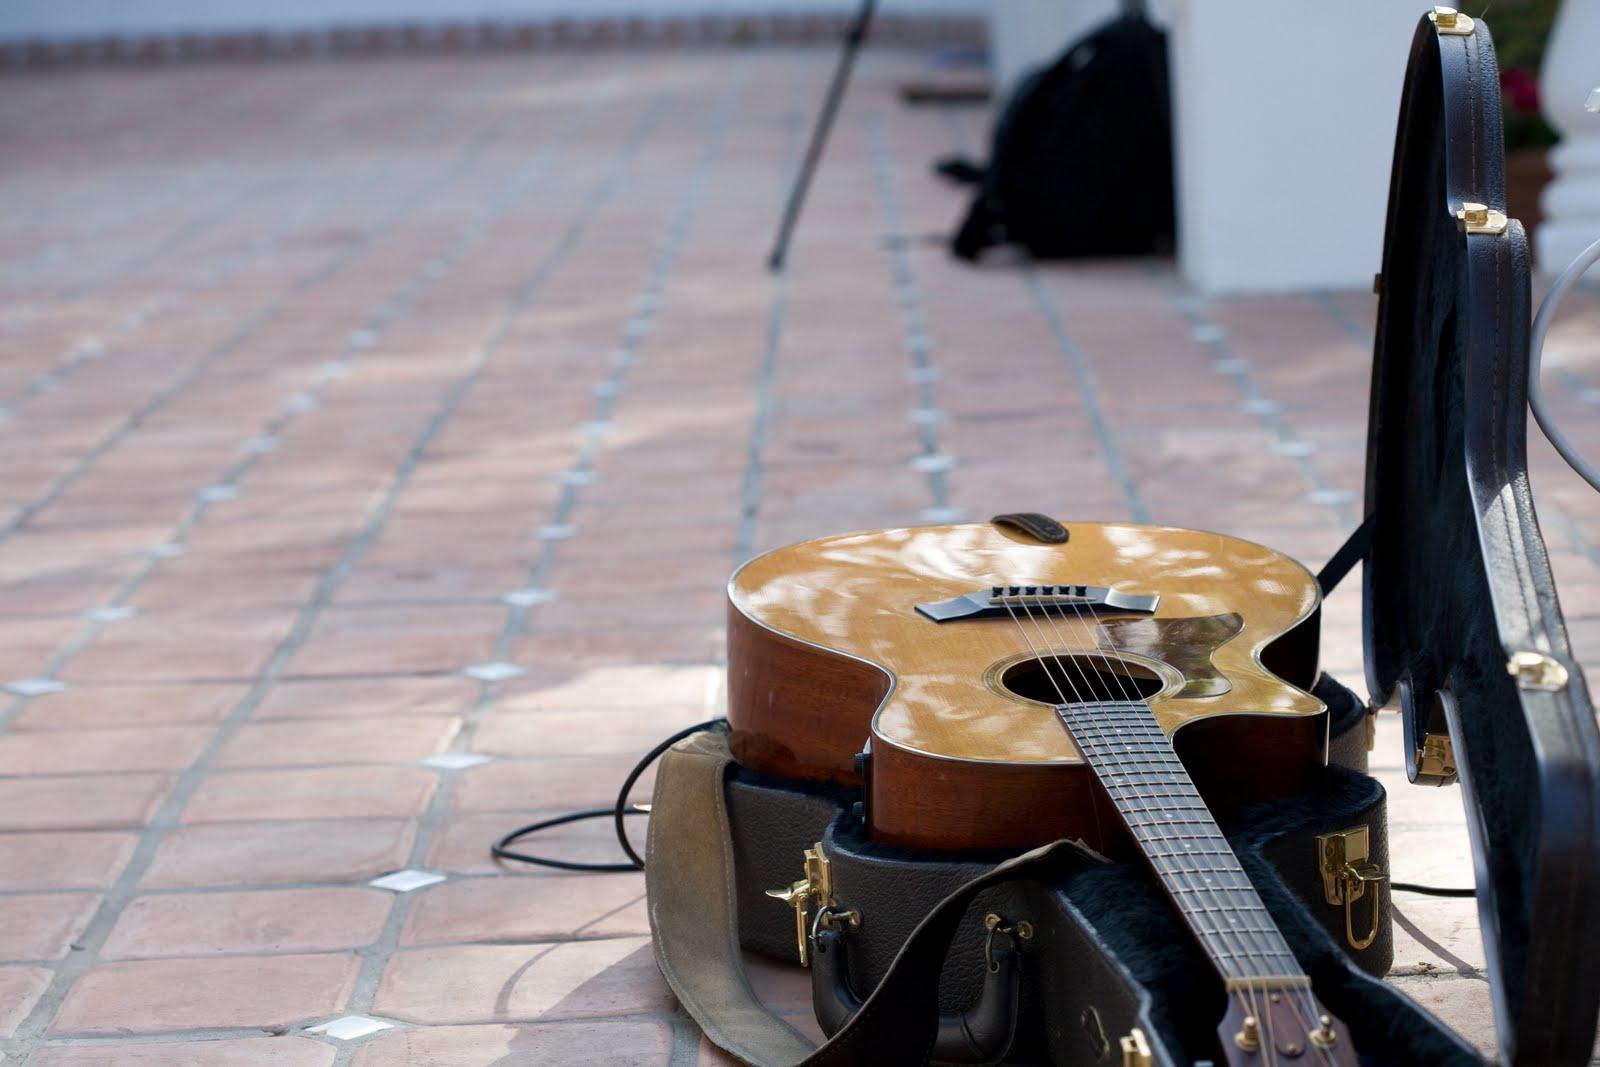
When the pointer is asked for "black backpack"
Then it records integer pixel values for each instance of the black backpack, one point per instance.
(1082, 157)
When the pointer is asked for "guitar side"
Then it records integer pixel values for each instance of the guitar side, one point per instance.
(825, 649)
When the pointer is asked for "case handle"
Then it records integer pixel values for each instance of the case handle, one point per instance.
(982, 1034)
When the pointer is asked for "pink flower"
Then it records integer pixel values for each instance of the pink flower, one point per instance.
(1521, 90)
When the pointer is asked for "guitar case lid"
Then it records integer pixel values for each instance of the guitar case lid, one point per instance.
(1463, 628)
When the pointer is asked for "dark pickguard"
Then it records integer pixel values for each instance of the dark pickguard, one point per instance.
(1184, 644)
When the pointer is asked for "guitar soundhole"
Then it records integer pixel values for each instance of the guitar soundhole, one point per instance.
(1081, 679)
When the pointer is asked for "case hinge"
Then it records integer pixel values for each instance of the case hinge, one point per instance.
(1535, 670)
(1481, 219)
(1343, 860)
(1436, 760)
(814, 890)
(1450, 22)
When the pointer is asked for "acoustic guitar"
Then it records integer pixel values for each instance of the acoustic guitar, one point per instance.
(999, 687)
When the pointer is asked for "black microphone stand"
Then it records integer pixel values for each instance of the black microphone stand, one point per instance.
(854, 38)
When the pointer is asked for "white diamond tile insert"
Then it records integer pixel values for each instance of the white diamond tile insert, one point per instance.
(597, 429)
(1331, 496)
(260, 446)
(497, 671)
(362, 338)
(1207, 333)
(35, 687)
(942, 514)
(170, 550)
(111, 613)
(1230, 366)
(522, 598)
(407, 880)
(607, 388)
(1259, 406)
(300, 403)
(556, 531)
(577, 477)
(89, 348)
(925, 416)
(454, 761)
(1293, 449)
(350, 1027)
(1593, 103)
(334, 368)
(216, 494)
(623, 358)
(924, 375)
(933, 463)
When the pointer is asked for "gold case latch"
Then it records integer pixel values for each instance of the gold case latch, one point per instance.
(1535, 670)
(1436, 760)
(1482, 219)
(1451, 23)
(814, 890)
(1344, 860)
(1136, 1049)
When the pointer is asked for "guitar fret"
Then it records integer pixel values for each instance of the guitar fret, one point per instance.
(1135, 763)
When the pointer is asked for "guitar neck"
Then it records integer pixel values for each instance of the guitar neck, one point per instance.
(1135, 763)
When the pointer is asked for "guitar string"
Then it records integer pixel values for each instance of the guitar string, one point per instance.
(1237, 953)
(1262, 939)
(1094, 807)
(1255, 947)
(1165, 866)
(1302, 998)
(1256, 943)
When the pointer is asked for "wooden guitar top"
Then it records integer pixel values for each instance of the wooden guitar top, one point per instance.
(942, 685)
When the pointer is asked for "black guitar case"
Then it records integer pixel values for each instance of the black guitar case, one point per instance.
(1464, 639)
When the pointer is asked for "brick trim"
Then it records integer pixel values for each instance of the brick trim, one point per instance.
(491, 37)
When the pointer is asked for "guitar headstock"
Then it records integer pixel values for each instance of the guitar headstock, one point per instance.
(1291, 1027)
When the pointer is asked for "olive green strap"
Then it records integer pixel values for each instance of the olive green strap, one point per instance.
(689, 878)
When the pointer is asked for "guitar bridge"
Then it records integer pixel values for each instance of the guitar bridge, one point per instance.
(1005, 599)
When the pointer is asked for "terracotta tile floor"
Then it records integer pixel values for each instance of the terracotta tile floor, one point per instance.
(330, 388)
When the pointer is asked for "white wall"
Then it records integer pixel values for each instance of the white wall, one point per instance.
(67, 19)
(1285, 130)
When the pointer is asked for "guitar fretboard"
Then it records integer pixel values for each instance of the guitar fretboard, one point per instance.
(1135, 763)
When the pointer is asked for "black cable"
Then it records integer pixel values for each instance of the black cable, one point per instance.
(1431, 890)
(618, 812)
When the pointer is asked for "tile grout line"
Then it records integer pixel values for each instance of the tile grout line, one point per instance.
(1267, 411)
(934, 464)
(766, 387)
(146, 256)
(230, 109)
(166, 817)
(476, 148)
(95, 347)
(1551, 511)
(1077, 363)
(1089, 395)
(464, 239)
(636, 327)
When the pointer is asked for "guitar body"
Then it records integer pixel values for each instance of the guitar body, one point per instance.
(827, 651)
